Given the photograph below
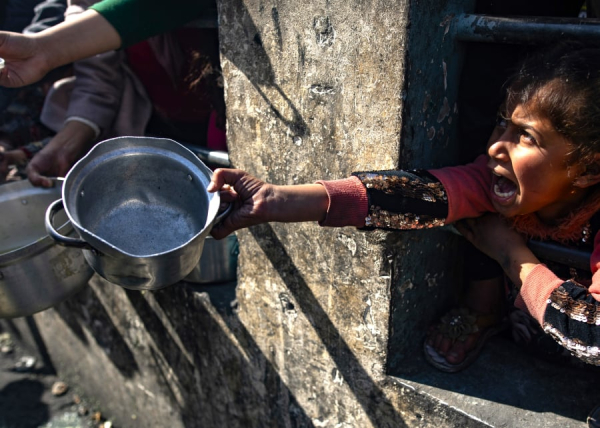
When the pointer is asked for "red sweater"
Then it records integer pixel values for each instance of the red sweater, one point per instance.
(468, 190)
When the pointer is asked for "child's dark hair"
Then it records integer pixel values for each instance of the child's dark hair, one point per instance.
(563, 83)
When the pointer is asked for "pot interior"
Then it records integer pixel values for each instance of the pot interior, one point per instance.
(23, 207)
(141, 196)
(142, 203)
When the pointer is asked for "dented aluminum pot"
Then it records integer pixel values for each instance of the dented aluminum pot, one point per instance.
(35, 272)
(141, 209)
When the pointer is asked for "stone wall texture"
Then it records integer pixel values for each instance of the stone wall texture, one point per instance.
(314, 90)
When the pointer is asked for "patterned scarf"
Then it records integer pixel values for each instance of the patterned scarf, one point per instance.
(570, 228)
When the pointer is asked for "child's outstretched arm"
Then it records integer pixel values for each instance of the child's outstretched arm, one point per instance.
(565, 309)
(402, 200)
(255, 201)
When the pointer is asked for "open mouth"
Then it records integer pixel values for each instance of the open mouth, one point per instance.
(503, 188)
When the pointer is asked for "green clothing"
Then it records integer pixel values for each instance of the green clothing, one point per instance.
(136, 20)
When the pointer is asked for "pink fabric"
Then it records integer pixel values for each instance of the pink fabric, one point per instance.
(467, 188)
(536, 290)
(594, 289)
(216, 138)
(105, 91)
(541, 281)
(348, 203)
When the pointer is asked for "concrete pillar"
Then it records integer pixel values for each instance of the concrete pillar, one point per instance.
(319, 318)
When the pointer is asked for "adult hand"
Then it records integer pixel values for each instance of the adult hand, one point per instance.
(24, 60)
(45, 165)
(29, 57)
(60, 154)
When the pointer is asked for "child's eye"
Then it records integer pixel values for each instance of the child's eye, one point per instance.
(527, 138)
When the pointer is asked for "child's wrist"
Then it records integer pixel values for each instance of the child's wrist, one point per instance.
(296, 203)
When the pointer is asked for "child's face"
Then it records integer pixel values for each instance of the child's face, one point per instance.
(528, 158)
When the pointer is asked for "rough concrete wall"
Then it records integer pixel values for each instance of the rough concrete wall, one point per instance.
(313, 90)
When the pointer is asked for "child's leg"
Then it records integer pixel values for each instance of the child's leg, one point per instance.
(456, 340)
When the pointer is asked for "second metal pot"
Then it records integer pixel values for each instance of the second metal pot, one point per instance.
(35, 272)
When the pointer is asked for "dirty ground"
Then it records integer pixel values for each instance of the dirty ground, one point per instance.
(31, 394)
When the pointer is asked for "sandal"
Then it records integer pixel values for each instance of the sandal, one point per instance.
(593, 419)
(458, 325)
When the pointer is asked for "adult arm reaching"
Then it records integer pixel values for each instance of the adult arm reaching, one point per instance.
(107, 25)
(29, 57)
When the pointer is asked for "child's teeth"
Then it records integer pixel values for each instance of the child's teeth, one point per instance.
(500, 193)
(504, 188)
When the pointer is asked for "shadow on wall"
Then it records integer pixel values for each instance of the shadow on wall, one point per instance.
(253, 61)
(369, 396)
(86, 309)
(216, 373)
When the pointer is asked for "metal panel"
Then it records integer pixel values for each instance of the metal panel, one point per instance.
(523, 30)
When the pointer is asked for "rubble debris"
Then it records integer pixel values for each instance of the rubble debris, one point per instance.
(25, 364)
(59, 388)
(6, 344)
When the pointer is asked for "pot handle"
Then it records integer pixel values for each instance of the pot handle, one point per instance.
(224, 214)
(66, 241)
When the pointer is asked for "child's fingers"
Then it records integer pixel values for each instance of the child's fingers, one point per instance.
(220, 231)
(227, 194)
(222, 176)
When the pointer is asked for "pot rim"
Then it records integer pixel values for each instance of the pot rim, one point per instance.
(39, 245)
(160, 144)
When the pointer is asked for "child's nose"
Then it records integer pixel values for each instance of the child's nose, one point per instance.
(497, 149)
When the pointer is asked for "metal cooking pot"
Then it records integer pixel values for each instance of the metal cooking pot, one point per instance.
(35, 273)
(141, 208)
(218, 262)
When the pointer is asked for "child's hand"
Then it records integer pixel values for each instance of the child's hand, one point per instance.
(256, 202)
(250, 198)
(491, 235)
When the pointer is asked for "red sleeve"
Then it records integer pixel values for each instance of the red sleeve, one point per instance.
(541, 282)
(348, 203)
(467, 188)
(536, 289)
(594, 289)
